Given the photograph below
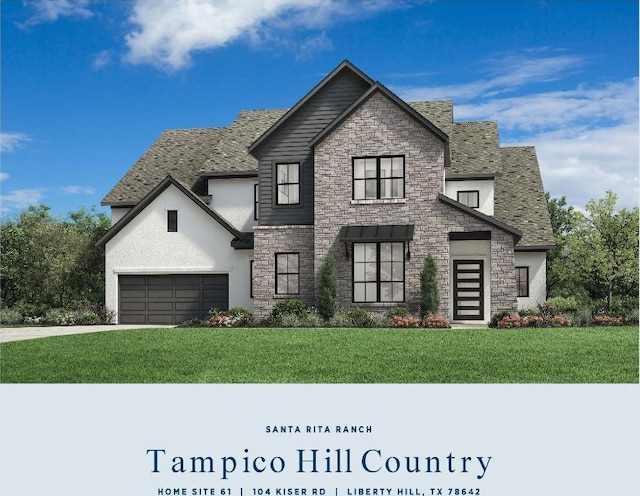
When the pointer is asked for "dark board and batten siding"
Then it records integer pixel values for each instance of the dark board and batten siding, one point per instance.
(290, 143)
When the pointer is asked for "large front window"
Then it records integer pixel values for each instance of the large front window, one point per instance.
(376, 178)
(287, 273)
(288, 184)
(378, 272)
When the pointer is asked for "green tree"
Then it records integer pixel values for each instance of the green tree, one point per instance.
(603, 248)
(328, 289)
(51, 262)
(429, 293)
(563, 220)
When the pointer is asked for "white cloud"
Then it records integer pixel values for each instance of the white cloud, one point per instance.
(167, 32)
(20, 198)
(10, 142)
(78, 190)
(52, 10)
(511, 73)
(102, 59)
(3, 176)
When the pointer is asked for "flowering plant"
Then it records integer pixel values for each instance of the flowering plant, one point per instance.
(511, 322)
(607, 320)
(559, 321)
(219, 321)
(399, 321)
(435, 322)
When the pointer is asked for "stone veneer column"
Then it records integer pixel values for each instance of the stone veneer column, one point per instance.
(269, 240)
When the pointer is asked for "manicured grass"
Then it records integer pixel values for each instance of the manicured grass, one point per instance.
(581, 355)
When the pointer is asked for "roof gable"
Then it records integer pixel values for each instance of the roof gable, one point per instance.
(380, 88)
(344, 66)
(155, 193)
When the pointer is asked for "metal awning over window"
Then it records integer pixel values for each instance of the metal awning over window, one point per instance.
(364, 234)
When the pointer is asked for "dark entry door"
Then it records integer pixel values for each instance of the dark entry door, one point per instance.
(170, 299)
(468, 290)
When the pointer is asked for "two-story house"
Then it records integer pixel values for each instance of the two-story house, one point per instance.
(246, 215)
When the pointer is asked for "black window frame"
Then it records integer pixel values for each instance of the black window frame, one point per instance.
(256, 201)
(468, 191)
(519, 270)
(378, 179)
(251, 262)
(378, 282)
(278, 184)
(287, 274)
(172, 221)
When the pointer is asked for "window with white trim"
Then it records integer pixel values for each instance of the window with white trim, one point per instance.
(378, 272)
(376, 178)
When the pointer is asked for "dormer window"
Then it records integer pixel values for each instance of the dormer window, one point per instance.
(288, 184)
(469, 198)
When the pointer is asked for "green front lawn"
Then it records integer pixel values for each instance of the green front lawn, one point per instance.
(567, 355)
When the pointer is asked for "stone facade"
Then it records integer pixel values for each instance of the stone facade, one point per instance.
(379, 127)
(269, 240)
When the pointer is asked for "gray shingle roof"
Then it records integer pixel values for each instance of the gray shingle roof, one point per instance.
(180, 153)
(519, 196)
(474, 149)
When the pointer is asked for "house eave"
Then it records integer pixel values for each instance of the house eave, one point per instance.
(517, 234)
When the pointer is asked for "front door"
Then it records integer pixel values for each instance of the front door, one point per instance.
(468, 290)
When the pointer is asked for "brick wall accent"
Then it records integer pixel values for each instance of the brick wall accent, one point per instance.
(380, 127)
(269, 240)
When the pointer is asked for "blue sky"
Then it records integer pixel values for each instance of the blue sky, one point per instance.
(88, 86)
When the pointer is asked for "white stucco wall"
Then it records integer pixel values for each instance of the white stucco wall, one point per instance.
(537, 263)
(472, 250)
(201, 246)
(233, 200)
(485, 188)
(118, 213)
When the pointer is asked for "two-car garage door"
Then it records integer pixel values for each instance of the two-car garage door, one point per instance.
(170, 299)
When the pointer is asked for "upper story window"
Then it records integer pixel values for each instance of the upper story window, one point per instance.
(469, 198)
(172, 221)
(256, 202)
(288, 184)
(377, 178)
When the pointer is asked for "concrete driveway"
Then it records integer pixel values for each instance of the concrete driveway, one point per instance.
(8, 334)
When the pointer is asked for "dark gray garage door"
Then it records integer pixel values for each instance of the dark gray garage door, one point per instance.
(171, 299)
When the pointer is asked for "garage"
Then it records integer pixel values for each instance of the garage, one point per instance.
(170, 299)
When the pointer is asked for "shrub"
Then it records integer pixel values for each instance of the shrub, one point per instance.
(240, 317)
(559, 305)
(358, 317)
(511, 322)
(219, 321)
(399, 321)
(63, 317)
(559, 321)
(607, 320)
(429, 295)
(10, 316)
(290, 306)
(497, 317)
(194, 323)
(435, 322)
(397, 312)
(328, 290)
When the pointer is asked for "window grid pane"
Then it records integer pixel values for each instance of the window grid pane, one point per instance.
(378, 178)
(287, 273)
(288, 184)
(378, 272)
